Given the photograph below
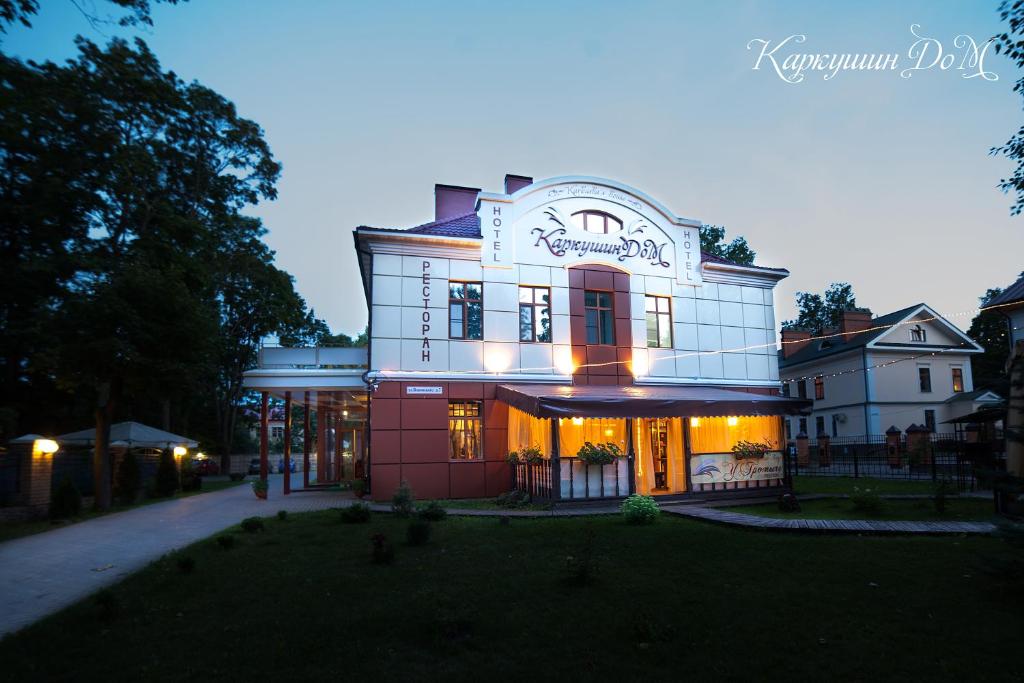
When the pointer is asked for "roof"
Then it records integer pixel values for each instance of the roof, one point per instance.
(542, 400)
(972, 396)
(1012, 294)
(129, 434)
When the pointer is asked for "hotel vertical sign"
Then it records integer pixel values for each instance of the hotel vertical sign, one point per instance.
(496, 232)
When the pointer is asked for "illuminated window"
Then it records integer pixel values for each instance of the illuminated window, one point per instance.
(596, 221)
(465, 429)
(958, 380)
(465, 310)
(600, 318)
(659, 322)
(819, 388)
(717, 435)
(917, 333)
(535, 314)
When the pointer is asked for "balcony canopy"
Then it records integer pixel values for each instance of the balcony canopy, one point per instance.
(644, 401)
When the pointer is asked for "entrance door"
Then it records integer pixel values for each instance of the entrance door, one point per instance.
(659, 453)
(659, 446)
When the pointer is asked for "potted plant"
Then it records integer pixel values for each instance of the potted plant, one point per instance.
(746, 450)
(599, 454)
(532, 455)
(359, 487)
(259, 487)
(513, 458)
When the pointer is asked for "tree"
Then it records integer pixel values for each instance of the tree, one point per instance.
(1011, 44)
(988, 328)
(138, 12)
(712, 241)
(818, 313)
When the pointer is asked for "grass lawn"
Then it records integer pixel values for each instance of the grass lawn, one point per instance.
(957, 510)
(844, 485)
(488, 504)
(17, 529)
(483, 601)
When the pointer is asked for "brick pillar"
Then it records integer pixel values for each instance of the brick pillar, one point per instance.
(919, 444)
(824, 450)
(803, 453)
(892, 446)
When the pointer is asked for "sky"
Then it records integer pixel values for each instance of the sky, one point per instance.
(870, 178)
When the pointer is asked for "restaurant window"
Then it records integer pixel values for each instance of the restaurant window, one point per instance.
(929, 420)
(958, 380)
(801, 388)
(535, 314)
(574, 432)
(659, 322)
(720, 434)
(917, 334)
(924, 379)
(465, 310)
(819, 388)
(465, 430)
(819, 425)
(596, 222)
(600, 318)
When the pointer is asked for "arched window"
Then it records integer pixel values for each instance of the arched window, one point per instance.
(596, 221)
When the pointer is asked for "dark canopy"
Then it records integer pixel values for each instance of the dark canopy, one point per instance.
(542, 400)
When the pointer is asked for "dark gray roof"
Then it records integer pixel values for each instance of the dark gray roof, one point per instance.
(1011, 294)
(830, 347)
(971, 395)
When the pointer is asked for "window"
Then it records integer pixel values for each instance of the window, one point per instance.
(929, 420)
(835, 425)
(277, 432)
(917, 333)
(803, 426)
(464, 430)
(600, 320)
(465, 310)
(958, 380)
(801, 388)
(659, 322)
(785, 388)
(924, 378)
(819, 425)
(720, 434)
(535, 314)
(596, 221)
(819, 388)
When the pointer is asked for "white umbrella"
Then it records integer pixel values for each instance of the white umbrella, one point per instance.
(132, 435)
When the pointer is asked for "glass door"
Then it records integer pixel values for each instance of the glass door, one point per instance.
(659, 452)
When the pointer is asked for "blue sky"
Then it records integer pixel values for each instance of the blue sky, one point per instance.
(870, 178)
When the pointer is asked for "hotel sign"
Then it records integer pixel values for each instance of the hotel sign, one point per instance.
(721, 468)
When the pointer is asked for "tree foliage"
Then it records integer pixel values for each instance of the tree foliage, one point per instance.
(712, 241)
(817, 312)
(1011, 43)
(990, 330)
(135, 12)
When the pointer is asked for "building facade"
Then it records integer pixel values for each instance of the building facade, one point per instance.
(910, 367)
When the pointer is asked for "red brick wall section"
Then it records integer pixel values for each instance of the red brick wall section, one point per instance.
(612, 362)
(409, 441)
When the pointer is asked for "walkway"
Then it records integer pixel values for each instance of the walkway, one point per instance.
(46, 572)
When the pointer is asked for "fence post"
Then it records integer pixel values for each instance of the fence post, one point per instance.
(824, 450)
(787, 477)
(803, 454)
(856, 457)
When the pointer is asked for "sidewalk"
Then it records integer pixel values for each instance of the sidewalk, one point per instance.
(46, 572)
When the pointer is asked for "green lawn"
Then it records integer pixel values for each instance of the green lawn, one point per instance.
(485, 601)
(922, 509)
(488, 504)
(11, 530)
(844, 485)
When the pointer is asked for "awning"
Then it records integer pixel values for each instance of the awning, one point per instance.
(130, 434)
(542, 400)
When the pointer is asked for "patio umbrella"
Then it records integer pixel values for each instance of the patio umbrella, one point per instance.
(131, 435)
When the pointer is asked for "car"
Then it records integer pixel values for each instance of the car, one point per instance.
(254, 466)
(280, 464)
(206, 467)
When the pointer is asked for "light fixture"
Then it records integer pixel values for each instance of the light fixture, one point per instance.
(609, 432)
(578, 421)
(200, 456)
(344, 413)
(45, 446)
(640, 363)
(563, 360)
(497, 360)
(180, 451)
(733, 421)
(695, 422)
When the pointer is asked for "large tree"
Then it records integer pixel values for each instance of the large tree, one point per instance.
(817, 312)
(1011, 43)
(712, 241)
(989, 329)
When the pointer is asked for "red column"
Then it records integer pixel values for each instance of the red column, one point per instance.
(321, 438)
(339, 462)
(287, 442)
(307, 439)
(264, 436)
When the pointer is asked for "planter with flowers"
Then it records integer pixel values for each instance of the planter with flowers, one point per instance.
(600, 471)
(259, 487)
(748, 450)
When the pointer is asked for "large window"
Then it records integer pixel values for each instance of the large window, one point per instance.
(924, 379)
(596, 221)
(535, 314)
(465, 430)
(819, 388)
(958, 380)
(659, 322)
(929, 420)
(801, 388)
(465, 310)
(819, 425)
(576, 431)
(600, 317)
(720, 434)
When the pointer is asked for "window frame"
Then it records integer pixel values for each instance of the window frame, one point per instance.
(819, 388)
(918, 334)
(801, 389)
(465, 303)
(955, 374)
(819, 425)
(533, 305)
(467, 419)
(603, 214)
(802, 426)
(611, 311)
(657, 321)
(929, 419)
(924, 377)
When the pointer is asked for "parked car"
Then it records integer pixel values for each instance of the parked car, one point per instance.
(280, 464)
(254, 466)
(206, 467)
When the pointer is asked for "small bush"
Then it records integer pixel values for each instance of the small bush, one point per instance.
(383, 552)
(128, 480)
(108, 604)
(513, 499)
(866, 501)
(166, 475)
(942, 489)
(282, 515)
(402, 501)
(639, 509)
(236, 476)
(65, 501)
(788, 503)
(433, 512)
(226, 542)
(357, 513)
(252, 525)
(186, 564)
(418, 531)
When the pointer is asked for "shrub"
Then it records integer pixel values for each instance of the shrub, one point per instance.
(108, 604)
(236, 476)
(418, 531)
(357, 513)
(599, 454)
(866, 501)
(128, 480)
(66, 501)
(513, 499)
(166, 475)
(942, 489)
(639, 509)
(383, 553)
(186, 564)
(788, 503)
(252, 525)
(359, 487)
(402, 501)
(226, 542)
(282, 515)
(433, 512)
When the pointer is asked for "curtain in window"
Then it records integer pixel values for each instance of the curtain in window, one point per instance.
(525, 430)
(716, 435)
(644, 454)
(573, 432)
(676, 455)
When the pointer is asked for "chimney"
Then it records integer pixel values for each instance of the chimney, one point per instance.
(453, 200)
(794, 340)
(854, 321)
(516, 182)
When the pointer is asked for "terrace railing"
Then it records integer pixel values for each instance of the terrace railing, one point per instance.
(580, 481)
(533, 478)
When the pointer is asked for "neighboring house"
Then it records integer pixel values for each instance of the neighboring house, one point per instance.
(275, 423)
(911, 366)
(1011, 305)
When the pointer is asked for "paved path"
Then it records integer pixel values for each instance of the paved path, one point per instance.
(46, 572)
(851, 526)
